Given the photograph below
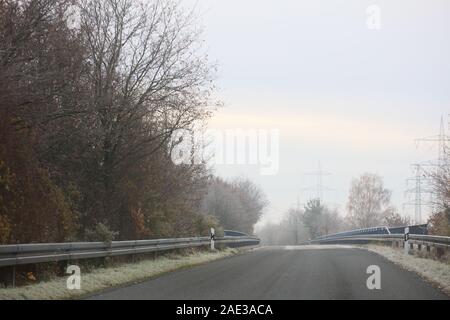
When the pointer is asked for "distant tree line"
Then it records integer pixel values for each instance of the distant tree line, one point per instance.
(368, 206)
(91, 92)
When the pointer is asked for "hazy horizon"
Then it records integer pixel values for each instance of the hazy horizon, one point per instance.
(351, 98)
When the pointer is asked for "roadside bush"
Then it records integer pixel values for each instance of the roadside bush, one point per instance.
(101, 233)
(439, 223)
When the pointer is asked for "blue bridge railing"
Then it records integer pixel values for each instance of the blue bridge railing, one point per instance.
(416, 229)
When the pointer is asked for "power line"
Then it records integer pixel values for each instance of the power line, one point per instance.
(319, 188)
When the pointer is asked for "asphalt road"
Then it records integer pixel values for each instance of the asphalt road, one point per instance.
(294, 273)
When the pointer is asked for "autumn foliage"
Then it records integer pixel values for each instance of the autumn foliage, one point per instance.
(90, 94)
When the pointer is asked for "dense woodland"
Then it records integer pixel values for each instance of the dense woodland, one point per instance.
(91, 93)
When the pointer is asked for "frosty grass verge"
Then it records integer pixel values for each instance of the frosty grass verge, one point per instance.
(432, 271)
(104, 278)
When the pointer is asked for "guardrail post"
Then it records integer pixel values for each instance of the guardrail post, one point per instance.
(440, 252)
(14, 276)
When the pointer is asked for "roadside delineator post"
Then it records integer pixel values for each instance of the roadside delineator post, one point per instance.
(407, 240)
(213, 235)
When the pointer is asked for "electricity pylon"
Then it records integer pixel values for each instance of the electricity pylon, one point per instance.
(442, 140)
(436, 165)
(418, 191)
(319, 188)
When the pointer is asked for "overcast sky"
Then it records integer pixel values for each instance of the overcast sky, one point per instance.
(352, 98)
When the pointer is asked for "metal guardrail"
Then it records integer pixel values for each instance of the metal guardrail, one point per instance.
(369, 237)
(22, 254)
(432, 241)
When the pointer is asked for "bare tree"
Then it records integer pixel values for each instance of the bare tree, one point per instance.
(440, 178)
(368, 201)
(440, 221)
(149, 77)
(237, 205)
(295, 229)
(252, 200)
(393, 219)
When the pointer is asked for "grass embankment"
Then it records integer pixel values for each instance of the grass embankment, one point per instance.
(113, 276)
(433, 271)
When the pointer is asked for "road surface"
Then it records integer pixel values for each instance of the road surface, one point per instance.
(291, 273)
